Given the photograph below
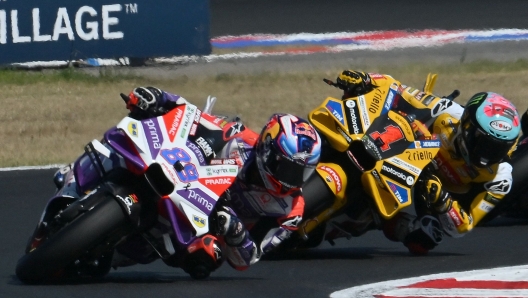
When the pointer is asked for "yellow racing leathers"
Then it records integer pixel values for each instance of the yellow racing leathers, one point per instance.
(456, 194)
(474, 191)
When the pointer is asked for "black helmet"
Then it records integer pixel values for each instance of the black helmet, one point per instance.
(489, 129)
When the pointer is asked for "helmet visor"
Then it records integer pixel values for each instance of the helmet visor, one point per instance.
(290, 173)
(484, 149)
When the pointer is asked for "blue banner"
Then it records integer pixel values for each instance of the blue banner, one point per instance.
(36, 30)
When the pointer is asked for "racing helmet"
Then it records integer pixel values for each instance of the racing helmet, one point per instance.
(288, 150)
(489, 129)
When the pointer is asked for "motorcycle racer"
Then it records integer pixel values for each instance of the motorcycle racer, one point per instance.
(468, 176)
(273, 166)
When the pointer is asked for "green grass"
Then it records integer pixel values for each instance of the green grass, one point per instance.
(70, 75)
(48, 116)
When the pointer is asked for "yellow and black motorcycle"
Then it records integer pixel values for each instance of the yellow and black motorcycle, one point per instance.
(375, 148)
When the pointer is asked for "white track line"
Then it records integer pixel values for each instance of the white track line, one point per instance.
(517, 276)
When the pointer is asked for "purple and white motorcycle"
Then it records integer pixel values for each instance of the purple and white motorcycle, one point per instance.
(148, 193)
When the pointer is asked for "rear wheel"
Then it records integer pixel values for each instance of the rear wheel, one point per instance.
(58, 256)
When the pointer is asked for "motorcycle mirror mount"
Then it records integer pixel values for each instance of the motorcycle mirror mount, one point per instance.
(453, 95)
(331, 83)
(125, 98)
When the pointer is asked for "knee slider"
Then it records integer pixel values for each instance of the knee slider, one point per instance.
(398, 227)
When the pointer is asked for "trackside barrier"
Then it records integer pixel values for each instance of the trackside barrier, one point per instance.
(34, 30)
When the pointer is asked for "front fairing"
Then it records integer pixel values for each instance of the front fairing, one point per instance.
(196, 186)
(389, 135)
(88, 174)
(394, 162)
(379, 141)
(343, 121)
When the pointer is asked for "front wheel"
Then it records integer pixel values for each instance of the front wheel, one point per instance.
(55, 257)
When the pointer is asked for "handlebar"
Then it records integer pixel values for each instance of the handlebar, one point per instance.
(453, 95)
(331, 83)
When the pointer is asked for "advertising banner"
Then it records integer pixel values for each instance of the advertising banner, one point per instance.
(33, 30)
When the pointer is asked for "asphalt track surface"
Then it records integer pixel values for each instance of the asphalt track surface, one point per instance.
(238, 17)
(314, 273)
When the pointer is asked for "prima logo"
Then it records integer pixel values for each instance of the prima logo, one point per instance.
(197, 152)
(200, 199)
(154, 133)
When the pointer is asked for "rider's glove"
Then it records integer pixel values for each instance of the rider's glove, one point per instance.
(436, 197)
(145, 98)
(354, 83)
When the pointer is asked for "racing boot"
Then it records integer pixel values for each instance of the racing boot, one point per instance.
(240, 251)
(419, 235)
(205, 256)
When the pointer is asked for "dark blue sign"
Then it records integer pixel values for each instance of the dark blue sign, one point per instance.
(35, 30)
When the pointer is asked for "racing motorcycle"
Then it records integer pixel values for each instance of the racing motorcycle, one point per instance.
(149, 192)
(375, 148)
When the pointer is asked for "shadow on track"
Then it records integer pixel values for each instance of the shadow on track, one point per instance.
(140, 277)
(360, 253)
